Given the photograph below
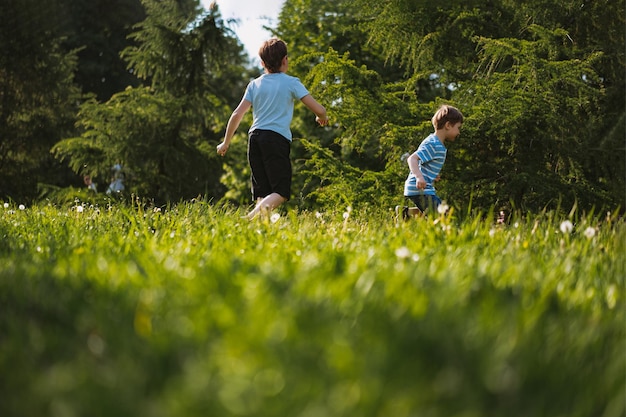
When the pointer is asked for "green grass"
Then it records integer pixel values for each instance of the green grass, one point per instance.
(192, 311)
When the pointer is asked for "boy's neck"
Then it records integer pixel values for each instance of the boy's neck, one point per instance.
(441, 135)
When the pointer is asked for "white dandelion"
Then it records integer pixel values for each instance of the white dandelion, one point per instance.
(274, 217)
(566, 227)
(403, 252)
(590, 232)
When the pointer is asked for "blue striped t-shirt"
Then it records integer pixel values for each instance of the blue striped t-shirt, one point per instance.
(432, 155)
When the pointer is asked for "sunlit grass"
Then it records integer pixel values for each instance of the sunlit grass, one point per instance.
(192, 310)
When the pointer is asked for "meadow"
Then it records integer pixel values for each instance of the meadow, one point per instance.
(190, 310)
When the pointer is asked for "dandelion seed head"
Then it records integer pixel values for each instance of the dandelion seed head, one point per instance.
(403, 252)
(6, 205)
(79, 209)
(346, 214)
(21, 207)
(590, 232)
(443, 208)
(274, 217)
(566, 227)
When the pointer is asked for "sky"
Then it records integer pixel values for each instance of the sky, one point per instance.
(252, 15)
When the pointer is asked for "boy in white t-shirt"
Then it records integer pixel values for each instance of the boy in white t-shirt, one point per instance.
(272, 97)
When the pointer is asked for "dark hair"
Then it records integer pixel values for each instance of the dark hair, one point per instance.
(446, 114)
(272, 53)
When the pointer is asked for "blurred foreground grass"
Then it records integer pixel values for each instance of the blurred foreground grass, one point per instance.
(192, 311)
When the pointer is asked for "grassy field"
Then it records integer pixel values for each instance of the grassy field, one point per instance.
(193, 311)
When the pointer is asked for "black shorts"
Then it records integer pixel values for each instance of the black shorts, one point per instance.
(425, 202)
(268, 155)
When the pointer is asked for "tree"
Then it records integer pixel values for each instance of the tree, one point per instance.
(98, 30)
(160, 132)
(541, 89)
(38, 96)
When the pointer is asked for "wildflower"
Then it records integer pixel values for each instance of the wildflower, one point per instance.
(274, 217)
(79, 209)
(403, 252)
(6, 205)
(590, 232)
(443, 208)
(318, 215)
(566, 227)
(21, 207)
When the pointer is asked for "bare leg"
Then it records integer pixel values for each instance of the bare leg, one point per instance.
(267, 204)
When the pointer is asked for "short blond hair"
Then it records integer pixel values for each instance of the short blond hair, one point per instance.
(446, 114)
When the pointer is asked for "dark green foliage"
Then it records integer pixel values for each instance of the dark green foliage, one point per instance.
(38, 97)
(99, 30)
(160, 133)
(542, 94)
(154, 139)
(541, 84)
(49, 52)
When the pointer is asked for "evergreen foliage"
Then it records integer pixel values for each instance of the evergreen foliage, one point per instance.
(541, 84)
(37, 96)
(542, 95)
(159, 132)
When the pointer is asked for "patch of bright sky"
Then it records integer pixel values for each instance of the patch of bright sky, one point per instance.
(252, 15)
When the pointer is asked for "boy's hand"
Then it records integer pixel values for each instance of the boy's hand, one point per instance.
(222, 148)
(321, 122)
(420, 183)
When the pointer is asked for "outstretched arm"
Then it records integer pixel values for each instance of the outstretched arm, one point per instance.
(317, 108)
(414, 166)
(233, 124)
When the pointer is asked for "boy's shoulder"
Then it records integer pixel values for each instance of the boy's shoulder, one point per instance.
(280, 77)
(430, 140)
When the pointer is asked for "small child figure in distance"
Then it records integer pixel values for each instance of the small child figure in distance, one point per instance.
(426, 162)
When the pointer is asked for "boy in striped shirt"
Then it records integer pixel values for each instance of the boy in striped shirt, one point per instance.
(426, 162)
